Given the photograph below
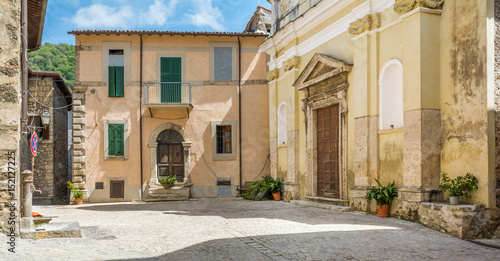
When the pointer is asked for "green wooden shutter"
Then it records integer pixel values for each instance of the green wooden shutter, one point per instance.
(111, 82)
(111, 139)
(171, 73)
(119, 148)
(119, 87)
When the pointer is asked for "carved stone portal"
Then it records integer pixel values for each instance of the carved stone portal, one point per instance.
(324, 83)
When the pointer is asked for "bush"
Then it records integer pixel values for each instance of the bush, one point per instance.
(460, 186)
(170, 180)
(260, 190)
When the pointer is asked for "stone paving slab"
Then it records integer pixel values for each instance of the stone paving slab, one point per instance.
(235, 229)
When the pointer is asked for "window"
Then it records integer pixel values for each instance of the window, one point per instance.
(223, 60)
(116, 73)
(170, 74)
(282, 126)
(223, 140)
(116, 139)
(391, 95)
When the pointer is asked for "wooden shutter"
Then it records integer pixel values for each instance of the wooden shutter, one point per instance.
(119, 86)
(116, 189)
(170, 72)
(111, 81)
(46, 132)
(119, 140)
(111, 139)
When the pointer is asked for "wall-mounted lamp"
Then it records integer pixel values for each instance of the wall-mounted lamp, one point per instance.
(45, 118)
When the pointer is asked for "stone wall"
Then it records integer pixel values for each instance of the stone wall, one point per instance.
(60, 149)
(78, 157)
(497, 97)
(10, 109)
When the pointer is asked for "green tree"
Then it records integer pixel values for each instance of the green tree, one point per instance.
(55, 57)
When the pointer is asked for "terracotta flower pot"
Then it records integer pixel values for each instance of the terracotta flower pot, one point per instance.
(78, 201)
(277, 196)
(383, 211)
(168, 186)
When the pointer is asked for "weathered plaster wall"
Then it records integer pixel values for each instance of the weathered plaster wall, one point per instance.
(465, 96)
(497, 99)
(391, 156)
(10, 109)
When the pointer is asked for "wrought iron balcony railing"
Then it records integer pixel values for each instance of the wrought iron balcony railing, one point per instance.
(167, 94)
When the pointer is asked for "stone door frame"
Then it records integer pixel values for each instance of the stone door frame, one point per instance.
(311, 108)
(153, 146)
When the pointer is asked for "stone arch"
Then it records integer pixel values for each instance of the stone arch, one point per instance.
(391, 95)
(168, 126)
(153, 145)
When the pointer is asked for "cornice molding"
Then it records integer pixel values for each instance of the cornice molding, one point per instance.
(273, 75)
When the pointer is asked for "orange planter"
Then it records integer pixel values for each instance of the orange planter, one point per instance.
(277, 196)
(383, 211)
(78, 201)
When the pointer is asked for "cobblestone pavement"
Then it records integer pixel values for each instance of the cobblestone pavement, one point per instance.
(235, 229)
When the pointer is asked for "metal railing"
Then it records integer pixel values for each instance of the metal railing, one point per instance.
(167, 93)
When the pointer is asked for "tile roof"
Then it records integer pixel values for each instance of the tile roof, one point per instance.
(77, 32)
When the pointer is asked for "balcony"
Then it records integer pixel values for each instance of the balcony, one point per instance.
(167, 95)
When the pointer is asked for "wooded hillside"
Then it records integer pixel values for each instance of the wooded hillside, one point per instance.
(59, 58)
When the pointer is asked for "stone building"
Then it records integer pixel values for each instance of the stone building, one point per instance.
(52, 96)
(260, 22)
(10, 96)
(162, 103)
(390, 90)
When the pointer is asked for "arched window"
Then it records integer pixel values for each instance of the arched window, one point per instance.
(282, 124)
(391, 95)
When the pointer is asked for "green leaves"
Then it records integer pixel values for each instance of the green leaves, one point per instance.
(77, 193)
(51, 57)
(170, 180)
(460, 186)
(262, 189)
(382, 194)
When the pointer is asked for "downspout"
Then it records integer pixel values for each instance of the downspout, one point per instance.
(140, 116)
(24, 82)
(239, 106)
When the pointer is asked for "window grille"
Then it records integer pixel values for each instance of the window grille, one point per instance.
(224, 143)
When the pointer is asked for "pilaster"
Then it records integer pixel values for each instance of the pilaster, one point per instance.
(79, 126)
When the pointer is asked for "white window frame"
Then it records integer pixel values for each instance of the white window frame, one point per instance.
(126, 47)
(125, 139)
(225, 156)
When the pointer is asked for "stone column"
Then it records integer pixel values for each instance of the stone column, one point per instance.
(79, 164)
(27, 200)
(154, 164)
(187, 161)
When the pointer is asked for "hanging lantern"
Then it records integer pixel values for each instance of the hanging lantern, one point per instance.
(45, 118)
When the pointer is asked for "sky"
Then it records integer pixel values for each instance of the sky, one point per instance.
(163, 15)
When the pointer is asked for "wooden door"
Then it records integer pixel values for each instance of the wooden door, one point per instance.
(328, 152)
(171, 161)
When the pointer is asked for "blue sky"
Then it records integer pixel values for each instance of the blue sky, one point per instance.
(166, 15)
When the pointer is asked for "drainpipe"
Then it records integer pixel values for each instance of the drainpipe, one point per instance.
(24, 66)
(239, 106)
(140, 116)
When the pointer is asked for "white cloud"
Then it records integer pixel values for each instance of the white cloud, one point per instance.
(158, 12)
(206, 15)
(100, 16)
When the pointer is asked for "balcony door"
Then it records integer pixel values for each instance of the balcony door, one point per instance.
(170, 80)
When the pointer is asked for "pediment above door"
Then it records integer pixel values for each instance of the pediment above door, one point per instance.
(320, 69)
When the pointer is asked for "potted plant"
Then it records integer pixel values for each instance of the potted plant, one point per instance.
(383, 195)
(460, 186)
(168, 182)
(275, 187)
(77, 193)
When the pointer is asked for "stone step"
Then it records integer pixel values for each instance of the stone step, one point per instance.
(54, 230)
(308, 203)
(331, 201)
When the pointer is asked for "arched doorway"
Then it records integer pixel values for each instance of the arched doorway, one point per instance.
(170, 155)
